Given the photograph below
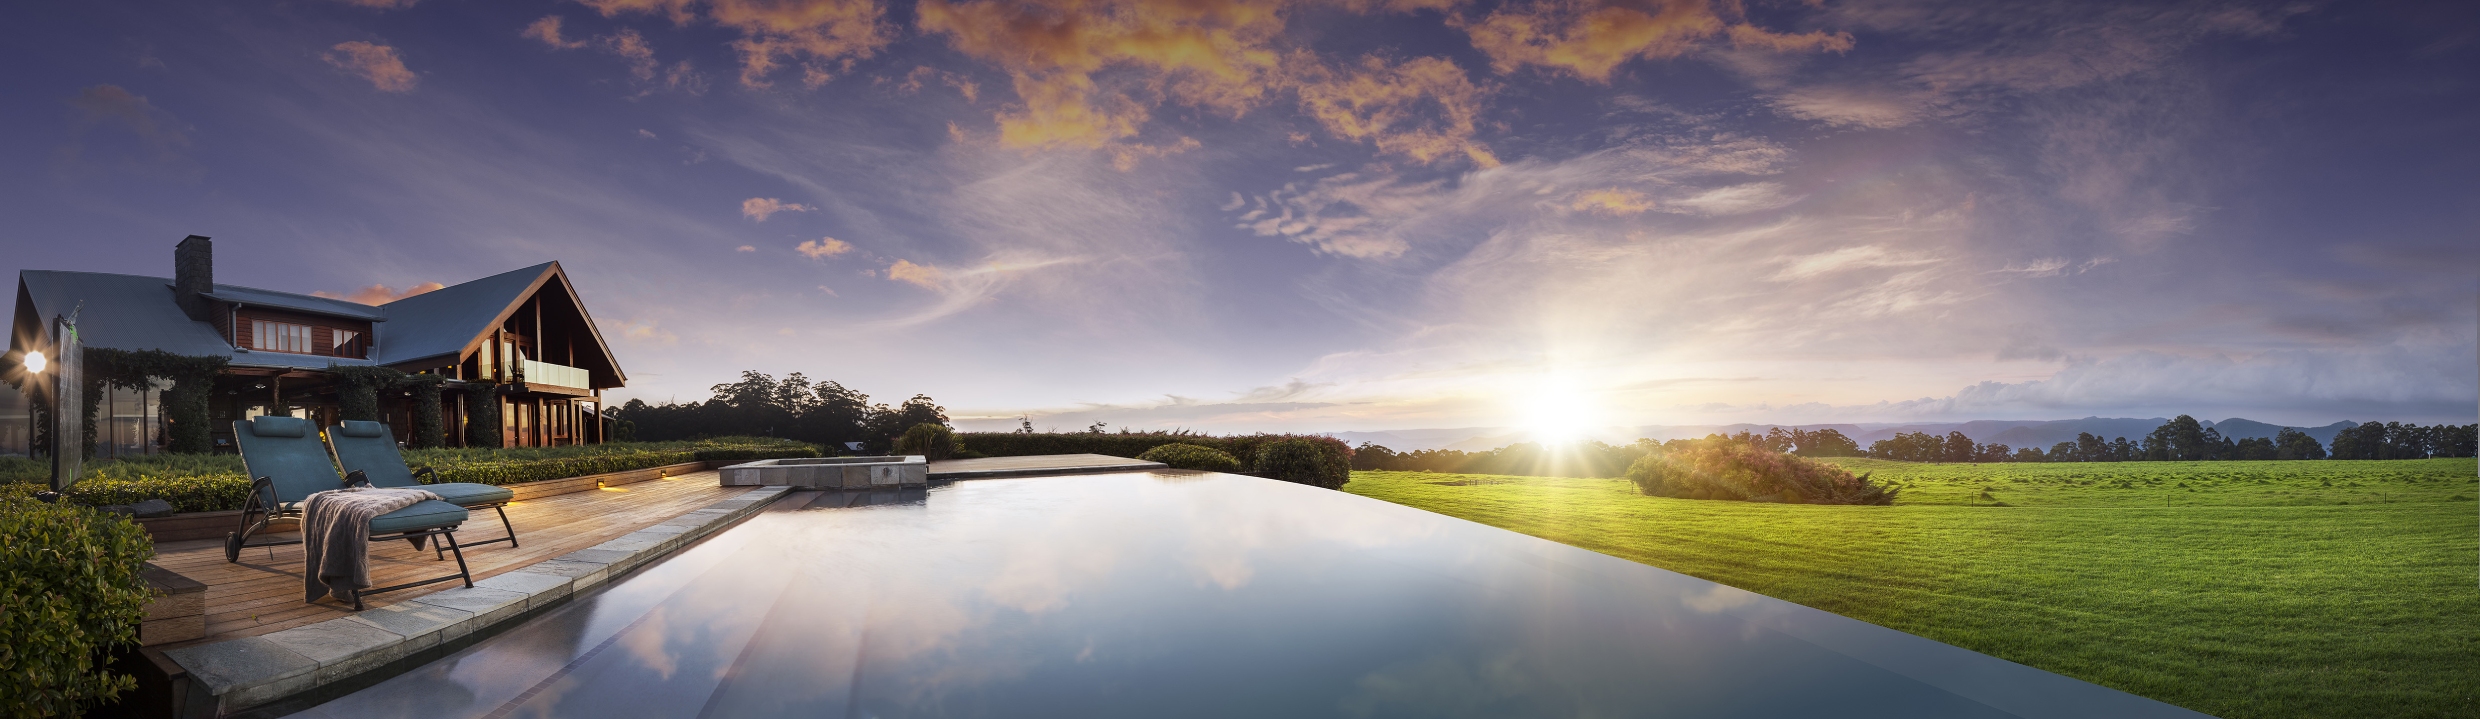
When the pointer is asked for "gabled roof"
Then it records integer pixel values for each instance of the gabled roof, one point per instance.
(135, 312)
(447, 320)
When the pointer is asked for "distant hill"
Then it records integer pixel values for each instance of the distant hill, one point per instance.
(2013, 433)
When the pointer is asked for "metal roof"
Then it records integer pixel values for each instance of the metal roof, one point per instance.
(134, 312)
(445, 320)
(255, 297)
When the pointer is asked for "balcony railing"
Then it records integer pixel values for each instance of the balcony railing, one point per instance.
(556, 375)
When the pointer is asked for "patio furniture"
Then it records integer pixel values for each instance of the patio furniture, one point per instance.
(290, 463)
(369, 449)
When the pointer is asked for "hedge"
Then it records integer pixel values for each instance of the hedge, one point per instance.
(71, 594)
(1189, 456)
(207, 483)
(1243, 447)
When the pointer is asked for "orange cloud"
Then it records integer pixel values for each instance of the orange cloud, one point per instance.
(547, 30)
(376, 63)
(745, 248)
(1614, 202)
(823, 248)
(760, 208)
(913, 81)
(1086, 72)
(814, 34)
(925, 276)
(1591, 38)
(1422, 108)
(380, 294)
(632, 46)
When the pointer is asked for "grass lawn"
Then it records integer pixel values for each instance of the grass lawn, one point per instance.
(2263, 592)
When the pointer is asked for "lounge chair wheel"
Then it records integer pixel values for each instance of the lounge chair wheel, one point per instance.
(232, 547)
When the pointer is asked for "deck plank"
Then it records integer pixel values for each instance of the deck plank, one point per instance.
(262, 592)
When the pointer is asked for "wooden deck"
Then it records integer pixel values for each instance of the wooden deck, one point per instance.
(262, 592)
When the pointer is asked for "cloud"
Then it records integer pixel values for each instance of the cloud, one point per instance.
(760, 208)
(381, 4)
(925, 276)
(1349, 214)
(1735, 199)
(1423, 108)
(1214, 56)
(380, 294)
(110, 105)
(823, 248)
(377, 63)
(1591, 39)
(1613, 202)
(912, 83)
(1848, 106)
(645, 332)
(547, 30)
(819, 37)
(1847, 258)
(745, 248)
(645, 133)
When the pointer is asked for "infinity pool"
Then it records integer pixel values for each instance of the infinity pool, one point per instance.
(1188, 594)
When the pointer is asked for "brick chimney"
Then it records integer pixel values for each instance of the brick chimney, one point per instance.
(193, 274)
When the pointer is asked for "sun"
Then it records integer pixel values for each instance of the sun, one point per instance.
(1558, 412)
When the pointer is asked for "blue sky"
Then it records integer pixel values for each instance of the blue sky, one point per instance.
(1341, 215)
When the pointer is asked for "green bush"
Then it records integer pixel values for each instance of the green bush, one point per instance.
(69, 595)
(214, 482)
(1740, 471)
(1304, 461)
(1189, 456)
(933, 441)
(1131, 444)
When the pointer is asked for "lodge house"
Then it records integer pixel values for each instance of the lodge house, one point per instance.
(520, 338)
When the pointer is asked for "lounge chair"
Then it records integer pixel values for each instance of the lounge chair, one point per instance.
(369, 449)
(289, 463)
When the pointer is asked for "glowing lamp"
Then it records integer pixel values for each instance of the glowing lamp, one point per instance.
(35, 362)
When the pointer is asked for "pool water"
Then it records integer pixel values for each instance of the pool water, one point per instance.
(1187, 594)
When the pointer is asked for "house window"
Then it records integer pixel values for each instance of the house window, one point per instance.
(279, 337)
(344, 342)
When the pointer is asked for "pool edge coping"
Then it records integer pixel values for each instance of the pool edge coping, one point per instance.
(246, 673)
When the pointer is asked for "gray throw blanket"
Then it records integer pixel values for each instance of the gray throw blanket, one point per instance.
(335, 536)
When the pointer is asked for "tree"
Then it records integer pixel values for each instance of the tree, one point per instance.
(2294, 444)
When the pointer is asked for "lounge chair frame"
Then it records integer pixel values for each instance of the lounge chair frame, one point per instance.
(264, 507)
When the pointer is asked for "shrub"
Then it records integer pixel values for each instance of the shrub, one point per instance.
(1303, 461)
(934, 441)
(71, 594)
(1189, 456)
(1740, 471)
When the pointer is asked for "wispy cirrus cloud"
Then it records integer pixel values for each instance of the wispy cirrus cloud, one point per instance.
(380, 294)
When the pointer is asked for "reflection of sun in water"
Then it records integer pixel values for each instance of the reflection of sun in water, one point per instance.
(1557, 411)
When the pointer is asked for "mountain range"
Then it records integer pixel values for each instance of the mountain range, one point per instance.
(2013, 433)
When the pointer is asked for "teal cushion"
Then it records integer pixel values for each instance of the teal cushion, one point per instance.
(466, 494)
(276, 425)
(358, 428)
(426, 514)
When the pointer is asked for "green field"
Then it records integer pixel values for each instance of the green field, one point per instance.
(2257, 589)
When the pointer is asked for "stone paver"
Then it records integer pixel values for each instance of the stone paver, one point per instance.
(342, 647)
(422, 625)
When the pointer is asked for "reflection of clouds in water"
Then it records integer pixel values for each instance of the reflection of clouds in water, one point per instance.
(650, 644)
(1444, 685)
(1717, 598)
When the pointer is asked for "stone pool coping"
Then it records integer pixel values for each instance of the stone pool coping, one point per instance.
(251, 672)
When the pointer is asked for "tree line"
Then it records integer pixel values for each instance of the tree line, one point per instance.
(2186, 440)
(824, 413)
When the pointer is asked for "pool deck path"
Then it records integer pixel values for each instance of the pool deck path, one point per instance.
(264, 644)
(986, 468)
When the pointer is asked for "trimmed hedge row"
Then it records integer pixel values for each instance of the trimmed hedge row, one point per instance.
(208, 483)
(1332, 469)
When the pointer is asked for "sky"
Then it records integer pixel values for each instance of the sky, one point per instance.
(1245, 215)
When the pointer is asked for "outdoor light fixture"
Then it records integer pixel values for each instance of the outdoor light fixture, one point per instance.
(35, 361)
